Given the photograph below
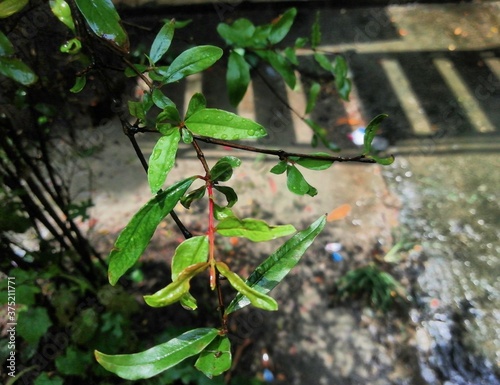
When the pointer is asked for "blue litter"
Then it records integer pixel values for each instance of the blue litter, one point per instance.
(337, 257)
(268, 375)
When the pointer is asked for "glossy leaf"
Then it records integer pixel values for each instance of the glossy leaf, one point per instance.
(221, 213)
(196, 103)
(283, 67)
(216, 358)
(62, 11)
(189, 198)
(229, 193)
(223, 169)
(169, 113)
(315, 33)
(313, 96)
(237, 77)
(186, 135)
(10, 7)
(238, 34)
(280, 168)
(71, 47)
(134, 238)
(297, 184)
(257, 299)
(274, 269)
(16, 70)
(254, 229)
(192, 61)
(188, 302)
(281, 28)
(371, 131)
(174, 291)
(162, 41)
(191, 251)
(155, 360)
(104, 21)
(161, 100)
(315, 164)
(6, 47)
(79, 85)
(162, 159)
(223, 125)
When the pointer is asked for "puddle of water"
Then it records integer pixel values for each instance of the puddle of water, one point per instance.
(451, 207)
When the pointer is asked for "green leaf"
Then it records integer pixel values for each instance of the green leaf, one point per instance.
(223, 169)
(323, 61)
(371, 131)
(192, 61)
(162, 159)
(188, 302)
(320, 133)
(137, 109)
(192, 251)
(62, 11)
(44, 379)
(104, 21)
(174, 291)
(237, 77)
(315, 33)
(134, 238)
(74, 362)
(223, 125)
(9, 7)
(71, 47)
(6, 47)
(189, 198)
(280, 168)
(257, 299)
(139, 68)
(196, 103)
(155, 360)
(291, 55)
(315, 164)
(33, 324)
(383, 161)
(313, 96)
(186, 135)
(297, 184)
(216, 358)
(254, 229)
(161, 100)
(283, 67)
(221, 213)
(272, 271)
(229, 193)
(238, 34)
(162, 41)
(281, 28)
(169, 113)
(301, 42)
(16, 70)
(342, 83)
(80, 83)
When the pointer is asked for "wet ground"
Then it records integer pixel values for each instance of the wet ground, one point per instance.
(435, 69)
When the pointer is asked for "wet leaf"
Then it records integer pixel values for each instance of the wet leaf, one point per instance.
(104, 21)
(229, 193)
(80, 83)
(155, 360)
(134, 238)
(371, 131)
(254, 229)
(216, 358)
(281, 28)
(192, 61)
(223, 125)
(297, 184)
(186, 135)
(191, 251)
(16, 70)
(257, 299)
(174, 291)
(223, 169)
(315, 164)
(237, 77)
(62, 11)
(169, 113)
(162, 41)
(313, 96)
(9, 7)
(274, 269)
(196, 103)
(189, 198)
(162, 159)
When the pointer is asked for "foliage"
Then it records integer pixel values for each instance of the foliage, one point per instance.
(96, 26)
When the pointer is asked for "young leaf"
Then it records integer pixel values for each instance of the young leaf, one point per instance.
(192, 251)
(104, 21)
(162, 159)
(9, 7)
(229, 193)
(80, 83)
(371, 131)
(283, 67)
(254, 229)
(169, 113)
(155, 360)
(161, 100)
(315, 33)
(62, 11)
(237, 77)
(281, 28)
(315, 164)
(192, 61)
(16, 70)
(221, 213)
(216, 358)
(313, 96)
(238, 34)
(134, 238)
(174, 291)
(272, 271)
(162, 41)
(256, 298)
(186, 135)
(280, 168)
(189, 198)
(223, 125)
(196, 103)
(297, 184)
